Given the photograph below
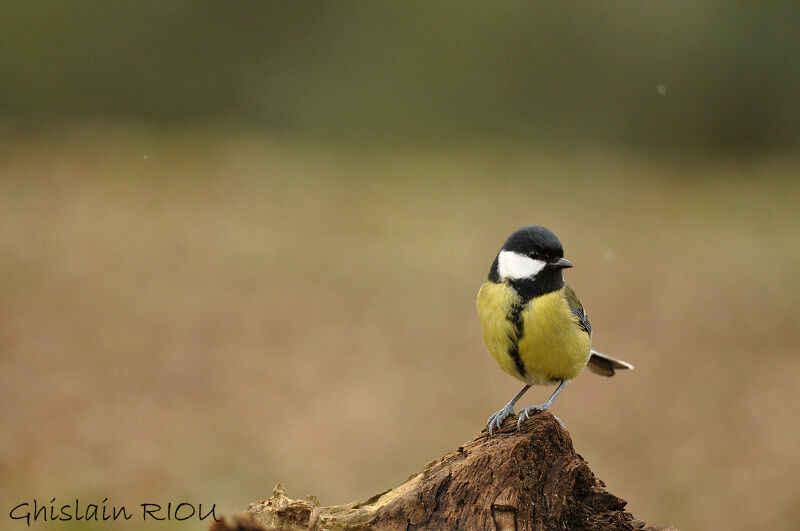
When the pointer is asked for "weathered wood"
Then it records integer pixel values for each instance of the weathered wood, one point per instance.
(531, 479)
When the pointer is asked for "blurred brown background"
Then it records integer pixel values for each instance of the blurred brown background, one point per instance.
(240, 244)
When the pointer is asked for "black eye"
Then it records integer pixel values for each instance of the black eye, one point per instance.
(534, 254)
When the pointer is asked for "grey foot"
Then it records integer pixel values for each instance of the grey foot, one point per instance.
(496, 420)
(525, 413)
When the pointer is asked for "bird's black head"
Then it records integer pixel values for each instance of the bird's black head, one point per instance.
(532, 261)
(534, 241)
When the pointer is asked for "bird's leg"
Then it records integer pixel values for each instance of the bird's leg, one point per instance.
(525, 412)
(508, 410)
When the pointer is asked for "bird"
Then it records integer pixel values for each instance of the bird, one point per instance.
(533, 324)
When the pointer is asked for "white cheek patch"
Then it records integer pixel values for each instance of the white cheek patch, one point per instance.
(513, 266)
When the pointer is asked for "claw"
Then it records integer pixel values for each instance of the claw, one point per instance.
(524, 413)
(496, 420)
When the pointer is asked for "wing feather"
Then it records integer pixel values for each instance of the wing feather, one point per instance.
(577, 309)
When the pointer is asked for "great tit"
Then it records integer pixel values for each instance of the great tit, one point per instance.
(533, 323)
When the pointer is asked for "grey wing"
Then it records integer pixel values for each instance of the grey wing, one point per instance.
(583, 319)
(577, 309)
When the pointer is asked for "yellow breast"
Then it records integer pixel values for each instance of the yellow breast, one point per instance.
(546, 338)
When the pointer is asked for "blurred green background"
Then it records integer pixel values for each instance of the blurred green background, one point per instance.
(241, 242)
(650, 75)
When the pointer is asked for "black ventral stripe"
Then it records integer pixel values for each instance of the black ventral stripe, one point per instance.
(514, 316)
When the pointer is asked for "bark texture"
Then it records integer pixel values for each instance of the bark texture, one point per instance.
(531, 479)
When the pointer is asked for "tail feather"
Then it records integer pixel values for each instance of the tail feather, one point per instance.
(605, 365)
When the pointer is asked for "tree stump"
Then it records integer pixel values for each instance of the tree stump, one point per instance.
(531, 479)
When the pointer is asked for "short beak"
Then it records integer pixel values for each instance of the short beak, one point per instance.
(562, 263)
